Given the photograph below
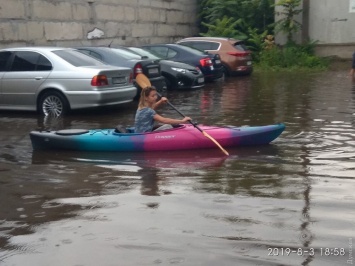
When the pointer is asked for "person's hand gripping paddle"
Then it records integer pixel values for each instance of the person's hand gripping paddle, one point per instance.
(144, 82)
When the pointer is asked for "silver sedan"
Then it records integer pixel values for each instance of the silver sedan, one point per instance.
(53, 81)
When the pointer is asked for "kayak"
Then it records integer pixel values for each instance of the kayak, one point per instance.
(180, 137)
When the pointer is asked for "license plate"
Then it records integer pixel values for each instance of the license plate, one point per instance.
(118, 80)
(249, 63)
(153, 71)
(218, 61)
(200, 80)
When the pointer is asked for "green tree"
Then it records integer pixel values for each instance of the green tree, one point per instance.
(256, 14)
(225, 27)
(287, 24)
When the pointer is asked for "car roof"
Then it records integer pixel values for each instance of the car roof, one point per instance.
(210, 39)
(105, 49)
(177, 46)
(162, 44)
(35, 48)
(96, 48)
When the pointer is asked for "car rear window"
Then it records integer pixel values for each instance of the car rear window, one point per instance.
(78, 59)
(202, 45)
(143, 52)
(192, 50)
(126, 54)
(163, 52)
(240, 46)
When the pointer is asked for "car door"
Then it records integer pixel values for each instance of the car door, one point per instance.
(19, 86)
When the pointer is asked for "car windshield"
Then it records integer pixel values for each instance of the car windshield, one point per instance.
(126, 54)
(143, 52)
(77, 58)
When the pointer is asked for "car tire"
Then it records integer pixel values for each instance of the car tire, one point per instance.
(53, 103)
(226, 71)
(169, 83)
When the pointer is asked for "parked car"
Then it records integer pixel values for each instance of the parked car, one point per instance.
(209, 64)
(119, 57)
(177, 75)
(235, 56)
(56, 80)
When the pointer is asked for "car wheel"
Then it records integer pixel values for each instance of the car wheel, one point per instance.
(168, 83)
(225, 71)
(53, 104)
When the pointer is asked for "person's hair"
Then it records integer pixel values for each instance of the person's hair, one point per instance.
(144, 94)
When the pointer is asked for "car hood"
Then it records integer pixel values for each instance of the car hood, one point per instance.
(177, 64)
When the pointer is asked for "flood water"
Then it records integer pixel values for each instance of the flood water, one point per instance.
(288, 203)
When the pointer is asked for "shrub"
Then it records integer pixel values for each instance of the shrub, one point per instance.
(291, 57)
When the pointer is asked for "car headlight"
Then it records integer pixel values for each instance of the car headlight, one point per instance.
(181, 70)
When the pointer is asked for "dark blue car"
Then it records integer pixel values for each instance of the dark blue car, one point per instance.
(177, 75)
(209, 64)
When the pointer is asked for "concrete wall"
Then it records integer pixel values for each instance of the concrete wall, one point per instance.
(95, 22)
(330, 23)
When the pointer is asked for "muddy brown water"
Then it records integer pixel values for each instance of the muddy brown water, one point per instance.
(288, 203)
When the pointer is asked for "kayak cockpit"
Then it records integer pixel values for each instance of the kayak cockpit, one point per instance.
(67, 132)
(119, 129)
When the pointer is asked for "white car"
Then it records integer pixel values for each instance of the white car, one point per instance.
(54, 80)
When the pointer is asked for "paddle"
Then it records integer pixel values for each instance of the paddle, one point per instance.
(144, 82)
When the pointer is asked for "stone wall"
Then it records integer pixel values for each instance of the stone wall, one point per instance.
(95, 22)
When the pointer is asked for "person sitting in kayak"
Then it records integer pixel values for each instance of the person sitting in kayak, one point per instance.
(146, 115)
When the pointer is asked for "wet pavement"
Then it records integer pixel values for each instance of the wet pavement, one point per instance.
(288, 203)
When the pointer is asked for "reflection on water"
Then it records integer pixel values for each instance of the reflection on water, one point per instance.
(190, 207)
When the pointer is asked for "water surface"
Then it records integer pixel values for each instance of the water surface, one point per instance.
(288, 203)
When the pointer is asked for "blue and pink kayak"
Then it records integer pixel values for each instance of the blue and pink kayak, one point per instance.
(181, 137)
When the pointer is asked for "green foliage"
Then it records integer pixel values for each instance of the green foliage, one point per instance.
(256, 43)
(247, 20)
(308, 47)
(225, 27)
(287, 23)
(256, 14)
(291, 57)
